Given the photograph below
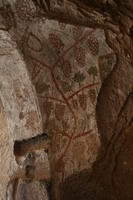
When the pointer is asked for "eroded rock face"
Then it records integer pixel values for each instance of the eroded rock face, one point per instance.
(31, 191)
(19, 110)
(67, 65)
(27, 190)
(5, 153)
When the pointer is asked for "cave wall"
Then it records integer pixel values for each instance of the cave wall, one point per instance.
(112, 170)
(19, 108)
(67, 65)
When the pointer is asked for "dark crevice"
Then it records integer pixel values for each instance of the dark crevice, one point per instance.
(30, 145)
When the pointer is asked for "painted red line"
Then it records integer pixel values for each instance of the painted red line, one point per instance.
(66, 135)
(40, 62)
(63, 134)
(73, 114)
(66, 149)
(63, 96)
(35, 38)
(85, 87)
(51, 98)
(71, 47)
(107, 55)
(83, 134)
(78, 42)
(36, 71)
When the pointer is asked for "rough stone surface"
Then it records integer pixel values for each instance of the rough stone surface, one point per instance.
(31, 191)
(27, 190)
(17, 96)
(68, 65)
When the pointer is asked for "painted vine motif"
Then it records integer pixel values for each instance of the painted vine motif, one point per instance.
(67, 65)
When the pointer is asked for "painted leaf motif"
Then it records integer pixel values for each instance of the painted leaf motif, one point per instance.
(79, 77)
(93, 72)
(65, 86)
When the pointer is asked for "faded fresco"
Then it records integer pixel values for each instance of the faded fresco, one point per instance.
(67, 81)
(67, 65)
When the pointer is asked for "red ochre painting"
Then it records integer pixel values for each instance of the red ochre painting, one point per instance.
(67, 65)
